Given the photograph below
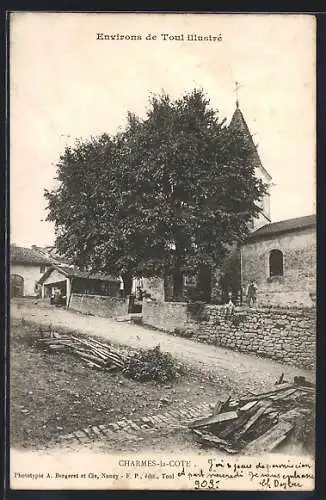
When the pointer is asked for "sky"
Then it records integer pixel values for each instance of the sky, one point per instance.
(67, 84)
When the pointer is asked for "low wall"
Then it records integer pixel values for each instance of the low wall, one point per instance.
(166, 316)
(99, 305)
(284, 334)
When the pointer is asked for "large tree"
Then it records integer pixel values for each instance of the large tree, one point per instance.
(168, 195)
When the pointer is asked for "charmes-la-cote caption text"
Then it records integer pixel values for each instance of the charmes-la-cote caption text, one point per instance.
(165, 37)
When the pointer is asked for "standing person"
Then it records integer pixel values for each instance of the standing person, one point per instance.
(57, 297)
(252, 293)
(122, 288)
(229, 307)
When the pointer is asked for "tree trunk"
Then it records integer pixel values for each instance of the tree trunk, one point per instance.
(205, 283)
(178, 286)
(168, 286)
(127, 283)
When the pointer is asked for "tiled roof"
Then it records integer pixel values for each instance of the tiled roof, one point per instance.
(238, 124)
(22, 255)
(50, 253)
(284, 226)
(72, 272)
(76, 273)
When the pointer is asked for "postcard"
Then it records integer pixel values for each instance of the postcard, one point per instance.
(162, 251)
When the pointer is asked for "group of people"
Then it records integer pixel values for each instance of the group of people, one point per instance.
(250, 298)
(251, 293)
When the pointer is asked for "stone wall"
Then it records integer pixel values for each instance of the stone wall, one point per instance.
(166, 316)
(283, 334)
(99, 305)
(298, 283)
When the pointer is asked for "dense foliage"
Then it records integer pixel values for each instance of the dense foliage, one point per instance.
(152, 364)
(169, 194)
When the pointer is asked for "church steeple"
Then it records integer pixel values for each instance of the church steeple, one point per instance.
(238, 125)
(237, 86)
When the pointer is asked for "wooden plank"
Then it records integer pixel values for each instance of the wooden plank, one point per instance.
(264, 395)
(212, 440)
(268, 441)
(209, 436)
(282, 395)
(116, 358)
(91, 364)
(222, 406)
(305, 389)
(253, 419)
(57, 341)
(248, 406)
(95, 351)
(214, 419)
(105, 346)
(280, 380)
(217, 408)
(237, 424)
(91, 357)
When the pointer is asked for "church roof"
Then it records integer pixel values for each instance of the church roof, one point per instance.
(284, 226)
(238, 124)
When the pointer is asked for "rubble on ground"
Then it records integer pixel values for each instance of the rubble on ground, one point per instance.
(259, 423)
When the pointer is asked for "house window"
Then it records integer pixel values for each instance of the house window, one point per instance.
(275, 263)
(42, 269)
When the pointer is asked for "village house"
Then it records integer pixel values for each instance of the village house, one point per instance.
(281, 259)
(27, 265)
(71, 281)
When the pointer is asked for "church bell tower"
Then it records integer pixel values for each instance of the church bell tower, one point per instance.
(239, 125)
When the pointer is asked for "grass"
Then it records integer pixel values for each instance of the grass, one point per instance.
(54, 393)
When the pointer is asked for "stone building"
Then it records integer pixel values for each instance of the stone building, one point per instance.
(27, 265)
(281, 258)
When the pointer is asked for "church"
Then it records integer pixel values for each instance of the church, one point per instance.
(279, 257)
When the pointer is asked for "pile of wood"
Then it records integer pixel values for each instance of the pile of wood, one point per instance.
(258, 423)
(94, 353)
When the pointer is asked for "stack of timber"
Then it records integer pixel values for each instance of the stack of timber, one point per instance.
(94, 353)
(258, 423)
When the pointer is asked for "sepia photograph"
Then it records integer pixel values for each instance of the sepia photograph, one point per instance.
(162, 251)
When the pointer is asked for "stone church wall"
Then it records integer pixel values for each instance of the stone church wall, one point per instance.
(297, 286)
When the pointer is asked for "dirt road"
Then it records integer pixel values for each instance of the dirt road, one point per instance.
(247, 372)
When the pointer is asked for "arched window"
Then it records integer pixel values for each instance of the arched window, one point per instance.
(275, 263)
